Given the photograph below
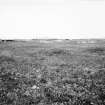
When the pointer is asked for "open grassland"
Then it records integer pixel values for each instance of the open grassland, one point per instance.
(52, 73)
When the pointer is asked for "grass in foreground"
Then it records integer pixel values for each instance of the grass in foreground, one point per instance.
(52, 76)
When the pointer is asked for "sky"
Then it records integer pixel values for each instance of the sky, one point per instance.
(61, 19)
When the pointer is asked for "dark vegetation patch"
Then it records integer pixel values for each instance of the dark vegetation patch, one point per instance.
(6, 59)
(54, 52)
(57, 52)
(97, 50)
(7, 40)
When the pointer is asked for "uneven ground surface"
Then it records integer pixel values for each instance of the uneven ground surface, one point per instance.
(40, 72)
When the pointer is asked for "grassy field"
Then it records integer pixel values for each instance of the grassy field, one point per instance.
(52, 72)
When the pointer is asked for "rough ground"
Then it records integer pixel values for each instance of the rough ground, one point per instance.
(51, 72)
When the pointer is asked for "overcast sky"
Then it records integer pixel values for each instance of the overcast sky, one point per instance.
(52, 19)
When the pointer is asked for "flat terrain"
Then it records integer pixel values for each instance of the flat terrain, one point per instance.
(52, 72)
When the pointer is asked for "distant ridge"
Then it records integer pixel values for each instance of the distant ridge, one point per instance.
(79, 41)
